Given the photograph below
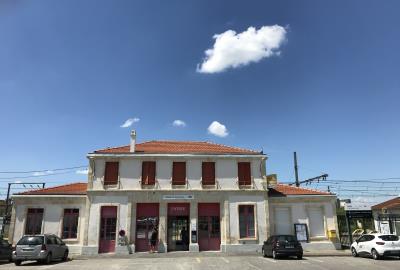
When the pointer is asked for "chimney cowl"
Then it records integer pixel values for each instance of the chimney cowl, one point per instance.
(133, 141)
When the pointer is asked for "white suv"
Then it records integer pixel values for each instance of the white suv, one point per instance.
(376, 244)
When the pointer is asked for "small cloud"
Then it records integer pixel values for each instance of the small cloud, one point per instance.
(130, 122)
(179, 123)
(42, 173)
(17, 181)
(218, 129)
(84, 171)
(232, 50)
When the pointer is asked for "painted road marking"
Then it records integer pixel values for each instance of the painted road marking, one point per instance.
(225, 259)
(315, 260)
(267, 259)
(253, 266)
(198, 260)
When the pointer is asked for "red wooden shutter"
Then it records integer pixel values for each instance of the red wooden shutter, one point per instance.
(111, 173)
(148, 172)
(244, 173)
(208, 173)
(179, 173)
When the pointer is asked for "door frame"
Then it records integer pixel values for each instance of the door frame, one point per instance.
(217, 206)
(116, 225)
(187, 205)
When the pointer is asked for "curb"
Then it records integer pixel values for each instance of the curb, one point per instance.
(202, 255)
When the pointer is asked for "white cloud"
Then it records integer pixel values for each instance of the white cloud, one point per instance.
(84, 171)
(42, 173)
(218, 129)
(179, 123)
(232, 50)
(130, 122)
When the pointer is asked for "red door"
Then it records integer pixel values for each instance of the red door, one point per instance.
(147, 215)
(209, 226)
(108, 229)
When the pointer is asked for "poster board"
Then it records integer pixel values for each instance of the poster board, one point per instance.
(301, 232)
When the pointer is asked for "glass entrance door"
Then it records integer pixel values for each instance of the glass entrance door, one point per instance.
(178, 233)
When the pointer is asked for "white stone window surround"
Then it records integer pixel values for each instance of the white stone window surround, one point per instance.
(31, 206)
(252, 185)
(275, 210)
(186, 185)
(308, 207)
(255, 221)
(143, 186)
(116, 186)
(71, 240)
(216, 185)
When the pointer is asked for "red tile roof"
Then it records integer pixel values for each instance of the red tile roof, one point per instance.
(393, 203)
(68, 189)
(285, 190)
(178, 147)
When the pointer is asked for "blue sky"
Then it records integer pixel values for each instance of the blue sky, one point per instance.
(72, 72)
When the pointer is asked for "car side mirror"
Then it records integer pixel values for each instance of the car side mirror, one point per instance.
(62, 244)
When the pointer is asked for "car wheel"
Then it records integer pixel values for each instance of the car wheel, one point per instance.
(48, 259)
(375, 254)
(299, 257)
(17, 263)
(65, 257)
(274, 255)
(354, 252)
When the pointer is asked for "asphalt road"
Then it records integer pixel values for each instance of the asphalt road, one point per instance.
(215, 262)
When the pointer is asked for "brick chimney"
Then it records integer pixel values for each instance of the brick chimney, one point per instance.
(133, 140)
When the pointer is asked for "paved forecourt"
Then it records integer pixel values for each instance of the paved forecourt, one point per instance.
(239, 262)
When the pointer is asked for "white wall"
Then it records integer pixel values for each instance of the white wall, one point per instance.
(226, 172)
(94, 218)
(299, 212)
(260, 219)
(53, 211)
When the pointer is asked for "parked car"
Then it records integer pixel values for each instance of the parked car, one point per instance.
(42, 248)
(282, 245)
(376, 245)
(5, 250)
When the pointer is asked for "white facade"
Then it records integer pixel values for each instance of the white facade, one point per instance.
(243, 216)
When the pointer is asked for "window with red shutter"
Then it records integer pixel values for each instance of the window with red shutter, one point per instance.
(244, 173)
(208, 173)
(148, 172)
(111, 173)
(179, 173)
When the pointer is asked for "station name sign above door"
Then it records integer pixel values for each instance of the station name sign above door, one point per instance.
(178, 197)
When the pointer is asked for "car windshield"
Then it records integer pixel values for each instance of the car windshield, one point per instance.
(31, 240)
(389, 237)
(289, 238)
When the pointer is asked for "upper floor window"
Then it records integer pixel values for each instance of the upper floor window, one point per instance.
(246, 221)
(208, 173)
(34, 220)
(179, 173)
(244, 173)
(111, 173)
(148, 172)
(70, 223)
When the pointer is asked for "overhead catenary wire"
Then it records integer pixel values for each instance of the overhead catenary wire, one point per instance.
(42, 171)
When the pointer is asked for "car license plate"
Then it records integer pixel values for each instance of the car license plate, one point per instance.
(289, 246)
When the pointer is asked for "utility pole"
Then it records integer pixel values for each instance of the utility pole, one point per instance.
(6, 215)
(296, 170)
(308, 181)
